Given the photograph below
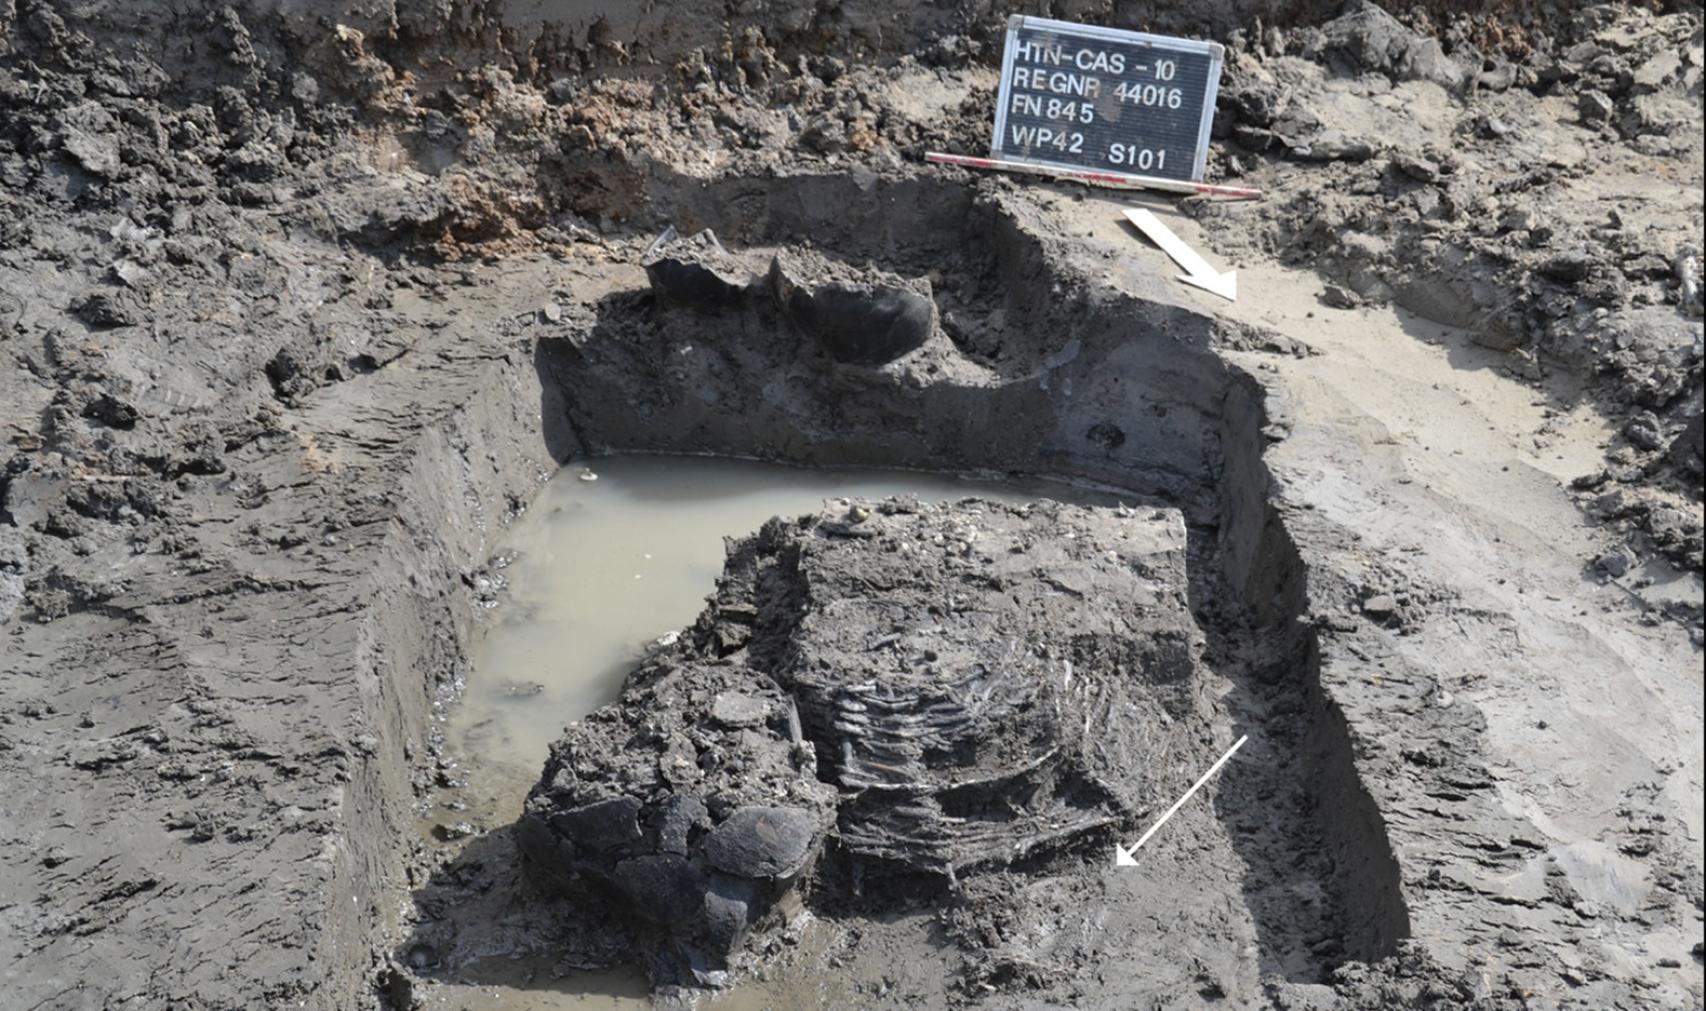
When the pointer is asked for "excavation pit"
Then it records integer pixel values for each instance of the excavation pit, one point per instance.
(304, 303)
(1031, 371)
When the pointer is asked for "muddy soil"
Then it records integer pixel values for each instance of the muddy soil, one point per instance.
(299, 307)
(927, 684)
(979, 781)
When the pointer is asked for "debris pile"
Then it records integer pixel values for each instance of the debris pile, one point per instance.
(956, 688)
(694, 798)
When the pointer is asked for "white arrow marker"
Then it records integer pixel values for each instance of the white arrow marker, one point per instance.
(1127, 858)
(1197, 270)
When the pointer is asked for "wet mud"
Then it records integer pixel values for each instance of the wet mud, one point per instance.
(301, 311)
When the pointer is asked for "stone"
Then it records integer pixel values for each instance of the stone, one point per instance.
(112, 412)
(687, 790)
(1686, 449)
(1615, 563)
(726, 911)
(1380, 606)
(1334, 145)
(681, 816)
(1415, 166)
(1644, 432)
(1335, 297)
(91, 139)
(737, 709)
(452, 832)
(1614, 504)
(1595, 106)
(604, 825)
(1570, 266)
(762, 842)
(1656, 69)
(1365, 37)
(666, 888)
(108, 309)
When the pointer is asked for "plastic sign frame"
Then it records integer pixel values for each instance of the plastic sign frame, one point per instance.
(1160, 44)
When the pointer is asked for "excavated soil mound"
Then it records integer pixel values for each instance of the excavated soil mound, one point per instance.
(981, 685)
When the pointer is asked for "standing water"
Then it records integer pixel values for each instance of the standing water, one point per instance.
(611, 556)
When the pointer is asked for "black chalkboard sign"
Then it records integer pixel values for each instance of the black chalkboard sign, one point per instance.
(1083, 97)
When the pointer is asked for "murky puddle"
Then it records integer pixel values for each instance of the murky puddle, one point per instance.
(611, 556)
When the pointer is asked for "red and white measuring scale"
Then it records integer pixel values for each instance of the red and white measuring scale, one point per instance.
(1109, 180)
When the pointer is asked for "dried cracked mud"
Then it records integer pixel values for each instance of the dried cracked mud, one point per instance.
(299, 306)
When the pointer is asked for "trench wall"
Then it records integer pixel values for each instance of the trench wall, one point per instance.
(1100, 384)
(461, 477)
(1262, 562)
(622, 38)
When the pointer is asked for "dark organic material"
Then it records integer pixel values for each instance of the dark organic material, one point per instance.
(860, 316)
(861, 325)
(1000, 728)
(699, 826)
(762, 842)
(697, 273)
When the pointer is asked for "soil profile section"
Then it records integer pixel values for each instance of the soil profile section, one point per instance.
(1122, 389)
(1260, 561)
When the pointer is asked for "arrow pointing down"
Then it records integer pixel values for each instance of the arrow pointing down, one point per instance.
(1197, 270)
(1128, 858)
